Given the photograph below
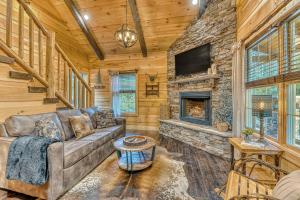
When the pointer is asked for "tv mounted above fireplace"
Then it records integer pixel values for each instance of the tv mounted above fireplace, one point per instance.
(196, 60)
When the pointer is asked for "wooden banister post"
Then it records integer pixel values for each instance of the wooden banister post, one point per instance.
(93, 97)
(50, 71)
(9, 13)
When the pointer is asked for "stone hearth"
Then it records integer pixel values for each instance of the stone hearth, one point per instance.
(202, 137)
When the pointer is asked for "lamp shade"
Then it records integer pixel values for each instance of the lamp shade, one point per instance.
(262, 105)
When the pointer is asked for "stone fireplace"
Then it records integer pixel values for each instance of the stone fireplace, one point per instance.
(193, 119)
(195, 107)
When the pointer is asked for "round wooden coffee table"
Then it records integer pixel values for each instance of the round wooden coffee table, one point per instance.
(135, 158)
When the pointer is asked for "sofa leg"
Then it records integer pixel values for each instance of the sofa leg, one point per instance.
(3, 195)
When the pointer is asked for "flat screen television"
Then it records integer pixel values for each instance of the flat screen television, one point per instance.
(196, 60)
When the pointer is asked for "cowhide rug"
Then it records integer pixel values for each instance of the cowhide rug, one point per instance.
(165, 180)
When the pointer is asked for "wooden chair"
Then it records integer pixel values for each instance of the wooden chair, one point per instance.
(248, 186)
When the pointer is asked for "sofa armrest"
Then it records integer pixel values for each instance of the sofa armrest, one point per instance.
(56, 167)
(4, 148)
(121, 121)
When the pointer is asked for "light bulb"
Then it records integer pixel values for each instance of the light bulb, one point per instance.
(195, 2)
(86, 17)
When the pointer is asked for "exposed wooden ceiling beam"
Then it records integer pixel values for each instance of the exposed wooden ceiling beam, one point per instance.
(202, 7)
(87, 32)
(138, 26)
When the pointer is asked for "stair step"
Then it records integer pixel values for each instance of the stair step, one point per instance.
(20, 75)
(6, 59)
(51, 100)
(37, 89)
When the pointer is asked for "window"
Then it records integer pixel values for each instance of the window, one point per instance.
(124, 93)
(263, 58)
(293, 114)
(293, 89)
(294, 44)
(277, 74)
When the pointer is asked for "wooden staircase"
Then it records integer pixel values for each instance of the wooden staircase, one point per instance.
(41, 71)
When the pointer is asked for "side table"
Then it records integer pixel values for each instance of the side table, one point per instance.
(246, 150)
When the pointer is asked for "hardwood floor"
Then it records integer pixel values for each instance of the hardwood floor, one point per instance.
(204, 171)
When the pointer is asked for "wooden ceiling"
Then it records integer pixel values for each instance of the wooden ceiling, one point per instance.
(163, 21)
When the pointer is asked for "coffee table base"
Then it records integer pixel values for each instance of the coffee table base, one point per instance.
(135, 158)
(134, 161)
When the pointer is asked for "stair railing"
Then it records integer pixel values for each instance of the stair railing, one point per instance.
(70, 87)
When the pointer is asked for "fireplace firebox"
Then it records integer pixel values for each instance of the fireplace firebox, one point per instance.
(195, 107)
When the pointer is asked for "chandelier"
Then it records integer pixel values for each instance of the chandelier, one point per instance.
(125, 36)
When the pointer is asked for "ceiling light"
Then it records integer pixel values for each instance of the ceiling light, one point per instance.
(195, 2)
(86, 17)
(125, 36)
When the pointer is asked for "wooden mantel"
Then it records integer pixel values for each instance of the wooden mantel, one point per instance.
(210, 77)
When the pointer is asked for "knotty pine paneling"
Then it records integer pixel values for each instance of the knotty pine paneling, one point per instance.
(148, 107)
(252, 13)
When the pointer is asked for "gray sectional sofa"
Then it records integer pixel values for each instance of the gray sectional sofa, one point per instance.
(69, 161)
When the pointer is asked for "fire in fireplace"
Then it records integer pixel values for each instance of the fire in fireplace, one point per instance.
(195, 107)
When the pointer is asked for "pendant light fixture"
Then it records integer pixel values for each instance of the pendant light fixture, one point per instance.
(125, 36)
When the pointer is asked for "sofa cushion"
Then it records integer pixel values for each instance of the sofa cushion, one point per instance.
(99, 138)
(81, 125)
(104, 118)
(21, 125)
(48, 128)
(75, 150)
(91, 111)
(64, 118)
(115, 130)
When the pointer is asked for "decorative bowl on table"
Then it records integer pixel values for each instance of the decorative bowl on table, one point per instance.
(135, 140)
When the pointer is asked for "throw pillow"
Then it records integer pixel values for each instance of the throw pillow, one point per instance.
(104, 118)
(48, 128)
(288, 187)
(81, 125)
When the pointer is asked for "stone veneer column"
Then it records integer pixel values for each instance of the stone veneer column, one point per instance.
(216, 26)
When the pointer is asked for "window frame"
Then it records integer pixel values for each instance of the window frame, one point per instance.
(132, 114)
(283, 29)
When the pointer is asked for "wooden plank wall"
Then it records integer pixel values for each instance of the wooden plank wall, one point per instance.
(15, 98)
(148, 107)
(252, 14)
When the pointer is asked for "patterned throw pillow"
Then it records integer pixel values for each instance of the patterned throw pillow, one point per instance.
(81, 125)
(48, 128)
(104, 118)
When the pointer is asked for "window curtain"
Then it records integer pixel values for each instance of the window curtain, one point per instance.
(116, 102)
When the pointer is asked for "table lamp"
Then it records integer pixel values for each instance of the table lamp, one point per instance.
(262, 107)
